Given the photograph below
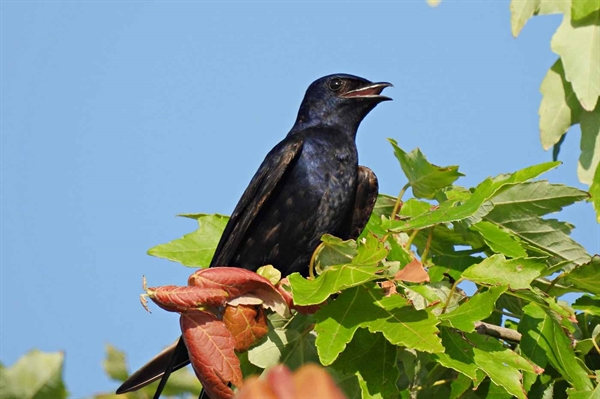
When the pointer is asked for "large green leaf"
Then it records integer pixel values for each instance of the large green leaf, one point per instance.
(425, 178)
(366, 306)
(475, 208)
(477, 308)
(499, 240)
(582, 8)
(590, 145)
(517, 210)
(497, 270)
(36, 375)
(469, 352)
(373, 359)
(588, 304)
(197, 248)
(587, 276)
(365, 266)
(543, 340)
(522, 10)
(559, 109)
(578, 45)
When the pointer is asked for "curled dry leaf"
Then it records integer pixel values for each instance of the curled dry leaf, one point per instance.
(213, 328)
(210, 346)
(247, 324)
(310, 381)
(179, 299)
(388, 287)
(414, 272)
(238, 282)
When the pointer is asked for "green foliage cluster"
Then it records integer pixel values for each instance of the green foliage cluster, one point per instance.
(381, 337)
(571, 88)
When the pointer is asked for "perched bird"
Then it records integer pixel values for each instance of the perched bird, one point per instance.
(310, 184)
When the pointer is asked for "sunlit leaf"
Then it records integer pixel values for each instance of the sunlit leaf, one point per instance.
(477, 308)
(425, 178)
(559, 109)
(195, 249)
(578, 45)
(36, 375)
(590, 145)
(544, 341)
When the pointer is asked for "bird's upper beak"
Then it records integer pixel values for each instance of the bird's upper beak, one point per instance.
(372, 90)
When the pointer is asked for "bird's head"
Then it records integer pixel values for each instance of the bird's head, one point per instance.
(339, 100)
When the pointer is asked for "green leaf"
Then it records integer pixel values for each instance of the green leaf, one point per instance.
(578, 45)
(477, 308)
(400, 323)
(335, 251)
(197, 248)
(475, 208)
(590, 145)
(469, 352)
(114, 364)
(582, 8)
(544, 341)
(36, 375)
(338, 321)
(459, 386)
(365, 266)
(517, 210)
(588, 304)
(559, 109)
(373, 359)
(424, 178)
(365, 306)
(520, 12)
(595, 192)
(499, 240)
(586, 276)
(497, 270)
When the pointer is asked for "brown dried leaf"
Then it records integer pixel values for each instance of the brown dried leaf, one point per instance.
(211, 349)
(246, 323)
(388, 287)
(414, 272)
(179, 299)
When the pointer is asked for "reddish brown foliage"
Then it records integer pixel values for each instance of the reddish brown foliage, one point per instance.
(221, 311)
(246, 323)
(310, 381)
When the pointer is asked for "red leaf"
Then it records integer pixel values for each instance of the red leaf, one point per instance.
(413, 273)
(246, 323)
(238, 282)
(179, 299)
(211, 349)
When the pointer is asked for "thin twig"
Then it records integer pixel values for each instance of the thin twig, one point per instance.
(399, 200)
(497, 331)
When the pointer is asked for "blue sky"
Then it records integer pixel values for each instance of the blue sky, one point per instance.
(118, 115)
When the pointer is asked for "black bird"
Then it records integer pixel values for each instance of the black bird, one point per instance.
(309, 184)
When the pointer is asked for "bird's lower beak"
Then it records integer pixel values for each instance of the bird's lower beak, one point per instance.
(371, 91)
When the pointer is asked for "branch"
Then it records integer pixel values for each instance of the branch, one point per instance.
(497, 332)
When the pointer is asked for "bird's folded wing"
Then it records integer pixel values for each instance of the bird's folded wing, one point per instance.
(263, 184)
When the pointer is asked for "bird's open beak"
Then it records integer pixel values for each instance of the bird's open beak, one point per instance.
(371, 91)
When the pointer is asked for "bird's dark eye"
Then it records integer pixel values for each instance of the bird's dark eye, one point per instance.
(336, 84)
